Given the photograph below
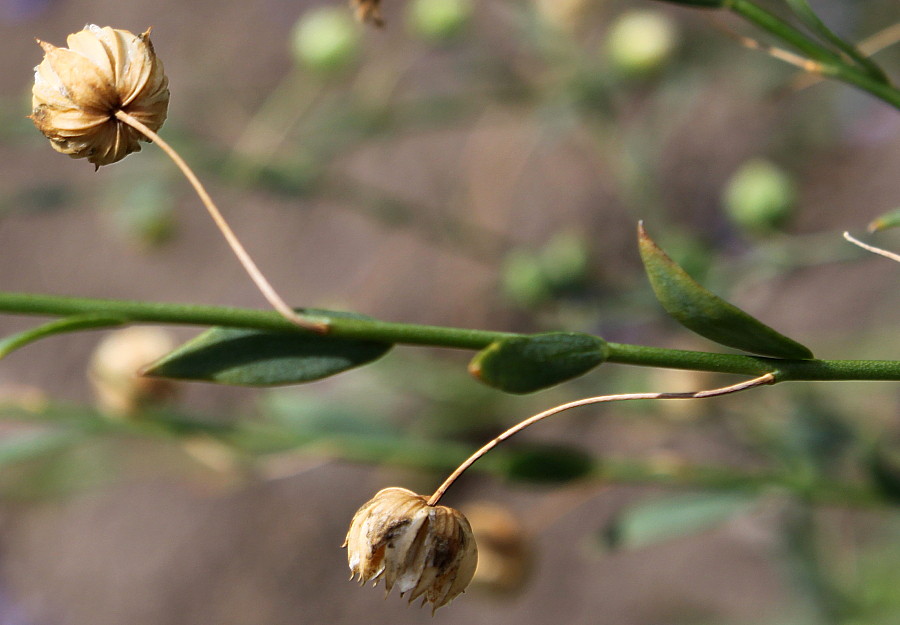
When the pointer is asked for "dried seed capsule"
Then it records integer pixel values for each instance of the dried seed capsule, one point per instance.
(119, 389)
(78, 91)
(505, 556)
(426, 551)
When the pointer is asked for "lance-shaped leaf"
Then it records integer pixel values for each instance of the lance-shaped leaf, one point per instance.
(812, 21)
(545, 463)
(522, 364)
(707, 314)
(888, 220)
(265, 358)
(672, 517)
(18, 447)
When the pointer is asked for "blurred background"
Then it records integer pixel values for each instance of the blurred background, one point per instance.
(477, 165)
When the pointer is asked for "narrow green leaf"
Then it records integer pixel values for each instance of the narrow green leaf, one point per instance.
(886, 221)
(523, 364)
(812, 21)
(545, 463)
(265, 358)
(663, 519)
(707, 314)
(60, 326)
(19, 447)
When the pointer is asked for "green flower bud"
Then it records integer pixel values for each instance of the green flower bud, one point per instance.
(439, 20)
(523, 280)
(640, 42)
(565, 260)
(326, 40)
(760, 196)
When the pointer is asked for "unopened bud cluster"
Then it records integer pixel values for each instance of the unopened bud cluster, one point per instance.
(426, 551)
(78, 91)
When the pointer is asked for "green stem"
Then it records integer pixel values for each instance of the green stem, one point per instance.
(439, 336)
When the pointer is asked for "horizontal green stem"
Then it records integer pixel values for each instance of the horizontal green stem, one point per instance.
(438, 336)
(783, 370)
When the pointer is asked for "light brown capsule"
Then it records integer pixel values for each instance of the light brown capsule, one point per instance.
(119, 389)
(505, 556)
(426, 551)
(78, 90)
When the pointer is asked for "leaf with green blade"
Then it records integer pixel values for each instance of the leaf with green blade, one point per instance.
(30, 444)
(523, 364)
(243, 357)
(707, 314)
(60, 326)
(664, 519)
(812, 21)
(545, 463)
(886, 221)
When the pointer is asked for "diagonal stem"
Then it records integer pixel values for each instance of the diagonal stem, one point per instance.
(246, 261)
(726, 390)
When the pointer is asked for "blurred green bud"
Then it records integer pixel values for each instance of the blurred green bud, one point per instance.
(640, 42)
(144, 212)
(523, 280)
(326, 39)
(760, 196)
(564, 260)
(439, 20)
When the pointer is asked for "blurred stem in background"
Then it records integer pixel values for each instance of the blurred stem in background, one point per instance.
(845, 64)
(259, 439)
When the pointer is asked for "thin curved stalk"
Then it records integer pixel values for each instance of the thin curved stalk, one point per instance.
(236, 246)
(716, 392)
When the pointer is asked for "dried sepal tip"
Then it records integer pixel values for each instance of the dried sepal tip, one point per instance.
(425, 551)
(368, 12)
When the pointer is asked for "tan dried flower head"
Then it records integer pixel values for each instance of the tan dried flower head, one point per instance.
(368, 11)
(78, 91)
(119, 389)
(426, 551)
